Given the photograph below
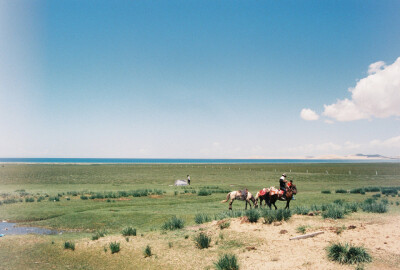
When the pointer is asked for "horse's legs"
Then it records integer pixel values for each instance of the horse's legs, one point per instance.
(287, 204)
(230, 204)
(275, 206)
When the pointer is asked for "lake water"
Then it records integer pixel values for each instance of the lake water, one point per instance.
(182, 161)
(8, 228)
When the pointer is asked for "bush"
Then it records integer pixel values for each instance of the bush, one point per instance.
(202, 240)
(326, 191)
(129, 231)
(173, 224)
(357, 190)
(54, 199)
(302, 229)
(83, 197)
(99, 234)
(41, 198)
(348, 254)
(372, 189)
(30, 199)
(340, 191)
(389, 190)
(147, 251)
(114, 247)
(253, 215)
(204, 192)
(334, 211)
(374, 207)
(302, 210)
(201, 218)
(227, 262)
(225, 224)
(69, 245)
(376, 195)
(276, 215)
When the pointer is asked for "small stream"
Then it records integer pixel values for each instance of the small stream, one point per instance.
(8, 228)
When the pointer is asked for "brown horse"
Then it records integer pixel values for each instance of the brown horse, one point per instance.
(290, 191)
(264, 196)
(238, 195)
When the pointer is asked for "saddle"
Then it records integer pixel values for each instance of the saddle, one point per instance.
(243, 194)
(263, 191)
(275, 191)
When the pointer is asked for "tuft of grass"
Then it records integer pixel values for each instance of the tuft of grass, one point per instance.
(227, 262)
(147, 252)
(374, 207)
(302, 229)
(326, 191)
(98, 234)
(276, 215)
(340, 191)
(253, 215)
(225, 224)
(348, 254)
(201, 218)
(29, 199)
(69, 245)
(114, 247)
(129, 231)
(173, 224)
(204, 192)
(202, 240)
(334, 211)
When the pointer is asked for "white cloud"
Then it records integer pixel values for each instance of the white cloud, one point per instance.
(309, 115)
(377, 95)
(375, 67)
(393, 142)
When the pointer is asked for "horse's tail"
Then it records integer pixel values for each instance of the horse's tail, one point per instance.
(227, 198)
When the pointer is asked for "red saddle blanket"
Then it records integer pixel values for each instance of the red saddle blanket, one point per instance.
(276, 191)
(262, 192)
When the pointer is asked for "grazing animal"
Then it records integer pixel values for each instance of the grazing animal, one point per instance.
(238, 195)
(290, 191)
(263, 195)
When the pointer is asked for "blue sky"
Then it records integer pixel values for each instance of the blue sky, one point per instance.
(199, 79)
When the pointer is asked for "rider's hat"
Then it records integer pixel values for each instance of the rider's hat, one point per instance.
(284, 174)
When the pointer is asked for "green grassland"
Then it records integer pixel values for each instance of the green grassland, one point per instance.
(143, 197)
(149, 212)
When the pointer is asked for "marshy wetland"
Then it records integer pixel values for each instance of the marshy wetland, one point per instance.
(130, 216)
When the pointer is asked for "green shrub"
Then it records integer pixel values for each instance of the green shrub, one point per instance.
(253, 215)
(54, 199)
(374, 207)
(340, 191)
(227, 262)
(334, 211)
(372, 189)
(147, 251)
(41, 198)
(276, 215)
(302, 229)
(357, 190)
(202, 241)
(348, 254)
(225, 224)
(302, 210)
(389, 190)
(83, 197)
(339, 202)
(98, 234)
(114, 247)
(173, 224)
(351, 207)
(129, 231)
(201, 218)
(69, 245)
(378, 195)
(30, 199)
(326, 191)
(204, 192)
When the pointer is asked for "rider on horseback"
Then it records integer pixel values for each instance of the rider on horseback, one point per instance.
(282, 185)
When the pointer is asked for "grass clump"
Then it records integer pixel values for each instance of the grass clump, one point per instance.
(326, 191)
(253, 215)
(129, 231)
(276, 215)
(302, 229)
(201, 218)
(69, 245)
(227, 262)
(30, 199)
(303, 210)
(334, 211)
(202, 241)
(173, 224)
(348, 254)
(147, 252)
(204, 192)
(225, 224)
(374, 207)
(114, 247)
(340, 191)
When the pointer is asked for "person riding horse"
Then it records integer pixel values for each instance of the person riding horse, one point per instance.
(282, 185)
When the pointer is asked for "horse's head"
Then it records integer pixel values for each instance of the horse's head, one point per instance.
(254, 201)
(293, 189)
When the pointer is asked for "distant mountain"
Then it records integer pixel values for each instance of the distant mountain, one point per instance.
(374, 156)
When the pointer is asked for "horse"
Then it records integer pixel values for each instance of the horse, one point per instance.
(290, 191)
(238, 195)
(263, 195)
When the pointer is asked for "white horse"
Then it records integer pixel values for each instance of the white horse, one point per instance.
(238, 195)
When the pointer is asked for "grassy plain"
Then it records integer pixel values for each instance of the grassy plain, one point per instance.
(80, 218)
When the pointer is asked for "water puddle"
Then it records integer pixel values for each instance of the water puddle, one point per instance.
(8, 228)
